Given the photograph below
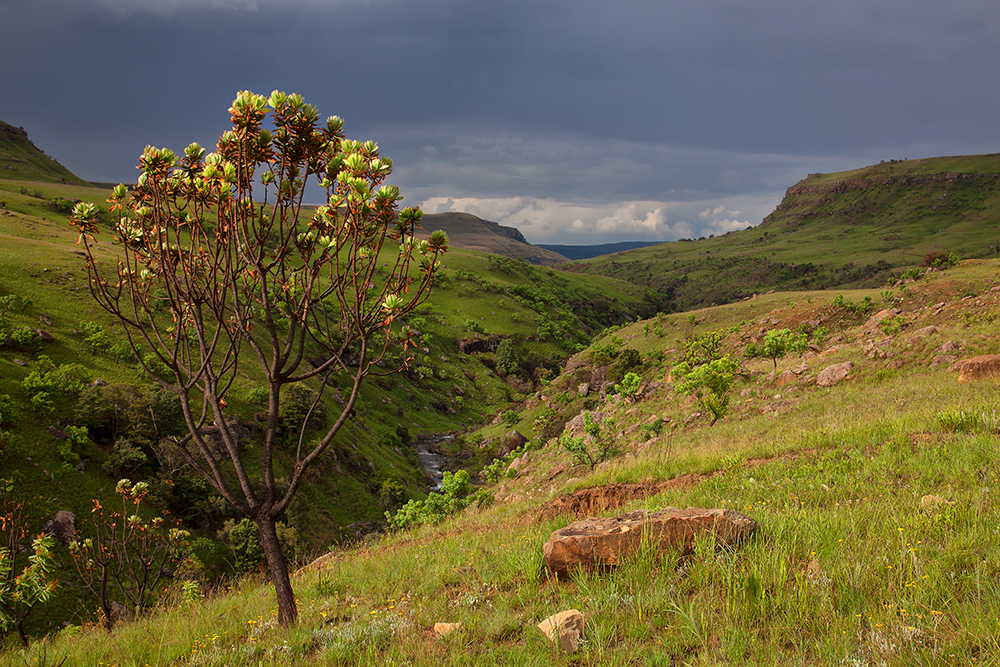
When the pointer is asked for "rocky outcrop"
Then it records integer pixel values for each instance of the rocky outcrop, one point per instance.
(62, 527)
(832, 375)
(594, 543)
(983, 366)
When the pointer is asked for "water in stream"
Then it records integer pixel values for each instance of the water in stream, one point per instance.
(430, 462)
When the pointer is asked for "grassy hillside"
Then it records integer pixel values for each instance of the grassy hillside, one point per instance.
(472, 233)
(21, 160)
(859, 228)
(876, 500)
(43, 287)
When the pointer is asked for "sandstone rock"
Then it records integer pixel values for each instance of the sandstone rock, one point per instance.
(832, 375)
(948, 347)
(442, 630)
(882, 315)
(785, 378)
(508, 443)
(518, 465)
(62, 527)
(926, 331)
(943, 359)
(583, 389)
(596, 542)
(983, 366)
(930, 501)
(564, 629)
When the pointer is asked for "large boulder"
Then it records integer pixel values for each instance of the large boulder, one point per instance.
(983, 366)
(832, 375)
(61, 527)
(599, 542)
(511, 441)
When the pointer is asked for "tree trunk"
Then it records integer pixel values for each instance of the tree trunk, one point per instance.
(288, 612)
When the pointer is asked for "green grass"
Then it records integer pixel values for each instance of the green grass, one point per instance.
(849, 567)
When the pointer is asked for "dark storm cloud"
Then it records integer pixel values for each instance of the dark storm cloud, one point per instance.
(556, 114)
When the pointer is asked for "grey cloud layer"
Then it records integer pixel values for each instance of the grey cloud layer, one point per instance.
(591, 105)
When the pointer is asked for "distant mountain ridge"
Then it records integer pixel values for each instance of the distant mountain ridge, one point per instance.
(588, 251)
(472, 233)
(851, 229)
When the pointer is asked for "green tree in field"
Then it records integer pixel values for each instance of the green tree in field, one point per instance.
(777, 343)
(221, 268)
(709, 383)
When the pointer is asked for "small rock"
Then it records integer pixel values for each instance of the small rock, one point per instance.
(948, 347)
(442, 630)
(924, 332)
(832, 375)
(564, 629)
(943, 359)
(930, 501)
(62, 527)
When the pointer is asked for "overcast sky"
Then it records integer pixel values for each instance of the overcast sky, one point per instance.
(577, 121)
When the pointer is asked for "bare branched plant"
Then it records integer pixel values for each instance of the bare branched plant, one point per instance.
(220, 266)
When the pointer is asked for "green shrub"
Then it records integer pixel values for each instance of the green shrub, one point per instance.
(709, 383)
(96, 337)
(454, 497)
(629, 386)
(601, 447)
(510, 417)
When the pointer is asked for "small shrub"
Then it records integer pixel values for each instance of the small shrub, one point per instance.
(454, 497)
(629, 386)
(510, 417)
(96, 337)
(602, 446)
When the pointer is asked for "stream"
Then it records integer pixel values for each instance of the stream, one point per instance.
(430, 462)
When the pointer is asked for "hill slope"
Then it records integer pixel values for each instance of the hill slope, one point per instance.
(875, 497)
(21, 160)
(847, 229)
(471, 233)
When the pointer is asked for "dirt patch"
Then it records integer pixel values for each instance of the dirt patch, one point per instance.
(598, 499)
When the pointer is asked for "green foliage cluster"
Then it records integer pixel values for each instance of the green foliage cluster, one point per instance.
(709, 383)
(454, 497)
(12, 303)
(47, 381)
(605, 350)
(862, 308)
(601, 446)
(629, 386)
(776, 344)
(703, 348)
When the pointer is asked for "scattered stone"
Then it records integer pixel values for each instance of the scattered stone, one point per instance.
(930, 502)
(519, 464)
(948, 347)
(564, 629)
(983, 366)
(924, 332)
(832, 375)
(62, 527)
(513, 440)
(943, 359)
(598, 542)
(785, 378)
(882, 315)
(98, 383)
(44, 335)
(442, 630)
(583, 389)
(895, 364)
(599, 499)
(57, 432)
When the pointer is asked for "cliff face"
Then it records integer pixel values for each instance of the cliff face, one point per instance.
(21, 160)
(472, 233)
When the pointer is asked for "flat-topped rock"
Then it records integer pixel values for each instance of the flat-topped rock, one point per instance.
(600, 542)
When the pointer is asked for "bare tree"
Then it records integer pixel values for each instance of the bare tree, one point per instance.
(220, 266)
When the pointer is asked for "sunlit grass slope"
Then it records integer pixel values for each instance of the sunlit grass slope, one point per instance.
(852, 565)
